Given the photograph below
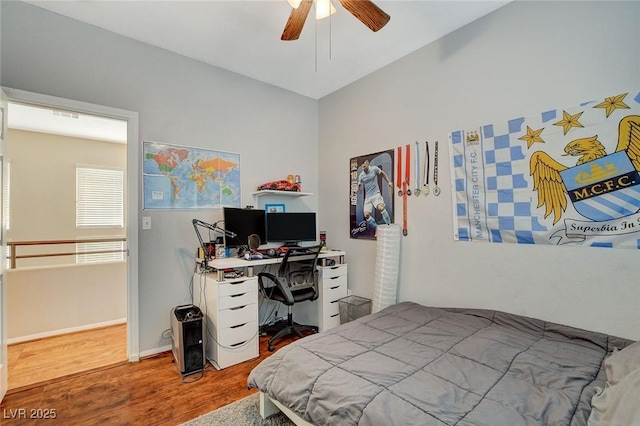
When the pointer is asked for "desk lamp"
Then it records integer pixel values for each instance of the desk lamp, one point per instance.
(211, 227)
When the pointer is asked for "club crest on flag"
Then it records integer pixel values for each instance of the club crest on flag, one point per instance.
(604, 189)
(601, 187)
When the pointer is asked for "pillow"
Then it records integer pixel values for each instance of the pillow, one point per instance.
(621, 363)
(617, 405)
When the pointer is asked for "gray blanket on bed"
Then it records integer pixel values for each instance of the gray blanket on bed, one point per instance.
(414, 365)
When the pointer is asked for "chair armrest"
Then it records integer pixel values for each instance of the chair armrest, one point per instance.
(279, 282)
(269, 277)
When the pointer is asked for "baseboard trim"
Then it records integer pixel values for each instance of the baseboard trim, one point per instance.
(65, 331)
(154, 351)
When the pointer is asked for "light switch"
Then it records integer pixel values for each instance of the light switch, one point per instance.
(146, 222)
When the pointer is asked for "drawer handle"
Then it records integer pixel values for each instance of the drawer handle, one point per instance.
(239, 325)
(237, 307)
(334, 301)
(335, 267)
(333, 316)
(238, 295)
(335, 278)
(333, 288)
(238, 344)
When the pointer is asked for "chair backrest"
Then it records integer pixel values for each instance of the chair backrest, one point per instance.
(293, 284)
(300, 273)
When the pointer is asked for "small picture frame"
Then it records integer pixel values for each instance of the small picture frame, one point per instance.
(274, 208)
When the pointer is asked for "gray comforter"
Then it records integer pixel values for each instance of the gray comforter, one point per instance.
(414, 365)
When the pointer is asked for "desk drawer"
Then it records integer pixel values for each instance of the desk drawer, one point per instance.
(331, 308)
(229, 288)
(330, 318)
(235, 316)
(232, 336)
(223, 357)
(334, 289)
(237, 300)
(334, 281)
(334, 271)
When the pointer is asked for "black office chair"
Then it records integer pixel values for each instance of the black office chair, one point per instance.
(297, 281)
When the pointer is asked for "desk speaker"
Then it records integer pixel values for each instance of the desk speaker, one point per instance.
(272, 252)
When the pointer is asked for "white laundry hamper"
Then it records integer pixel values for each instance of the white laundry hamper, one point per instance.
(385, 292)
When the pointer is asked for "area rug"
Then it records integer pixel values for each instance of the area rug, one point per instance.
(243, 412)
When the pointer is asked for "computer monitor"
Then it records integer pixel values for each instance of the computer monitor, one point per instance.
(291, 228)
(244, 223)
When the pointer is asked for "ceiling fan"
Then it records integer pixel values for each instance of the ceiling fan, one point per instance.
(367, 12)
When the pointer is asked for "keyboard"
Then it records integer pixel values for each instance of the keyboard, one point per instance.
(301, 252)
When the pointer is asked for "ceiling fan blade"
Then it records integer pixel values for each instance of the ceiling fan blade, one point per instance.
(294, 25)
(367, 12)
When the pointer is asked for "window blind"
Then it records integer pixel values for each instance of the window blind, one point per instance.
(84, 257)
(99, 197)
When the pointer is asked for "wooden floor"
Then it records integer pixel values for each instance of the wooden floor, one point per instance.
(48, 359)
(148, 392)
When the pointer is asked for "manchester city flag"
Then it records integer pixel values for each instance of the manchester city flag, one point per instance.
(565, 176)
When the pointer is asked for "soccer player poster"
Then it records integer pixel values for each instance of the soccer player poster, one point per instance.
(371, 193)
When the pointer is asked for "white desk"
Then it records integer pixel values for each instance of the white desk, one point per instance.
(230, 305)
(219, 266)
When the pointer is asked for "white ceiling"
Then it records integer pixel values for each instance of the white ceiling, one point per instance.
(244, 36)
(58, 122)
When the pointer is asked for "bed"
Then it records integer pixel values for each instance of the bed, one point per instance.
(416, 365)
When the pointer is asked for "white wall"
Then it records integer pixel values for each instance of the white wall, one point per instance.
(179, 101)
(525, 58)
(43, 187)
(48, 301)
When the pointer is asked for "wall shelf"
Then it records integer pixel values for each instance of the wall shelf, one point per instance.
(283, 193)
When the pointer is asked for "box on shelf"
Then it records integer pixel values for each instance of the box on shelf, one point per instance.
(353, 307)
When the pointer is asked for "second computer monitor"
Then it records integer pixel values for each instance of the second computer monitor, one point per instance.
(291, 228)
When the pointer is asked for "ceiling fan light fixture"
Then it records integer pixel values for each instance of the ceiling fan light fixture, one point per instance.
(364, 10)
(294, 3)
(324, 9)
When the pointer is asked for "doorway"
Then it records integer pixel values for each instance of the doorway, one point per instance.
(130, 120)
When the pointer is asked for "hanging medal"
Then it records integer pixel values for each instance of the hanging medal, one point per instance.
(403, 183)
(399, 170)
(407, 168)
(425, 187)
(416, 191)
(436, 190)
(406, 191)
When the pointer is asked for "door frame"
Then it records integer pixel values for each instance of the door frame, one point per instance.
(133, 157)
(4, 360)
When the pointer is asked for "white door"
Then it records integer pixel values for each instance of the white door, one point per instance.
(3, 249)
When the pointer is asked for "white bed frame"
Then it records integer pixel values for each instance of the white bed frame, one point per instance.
(269, 407)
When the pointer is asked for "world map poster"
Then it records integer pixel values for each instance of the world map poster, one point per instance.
(567, 176)
(179, 177)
